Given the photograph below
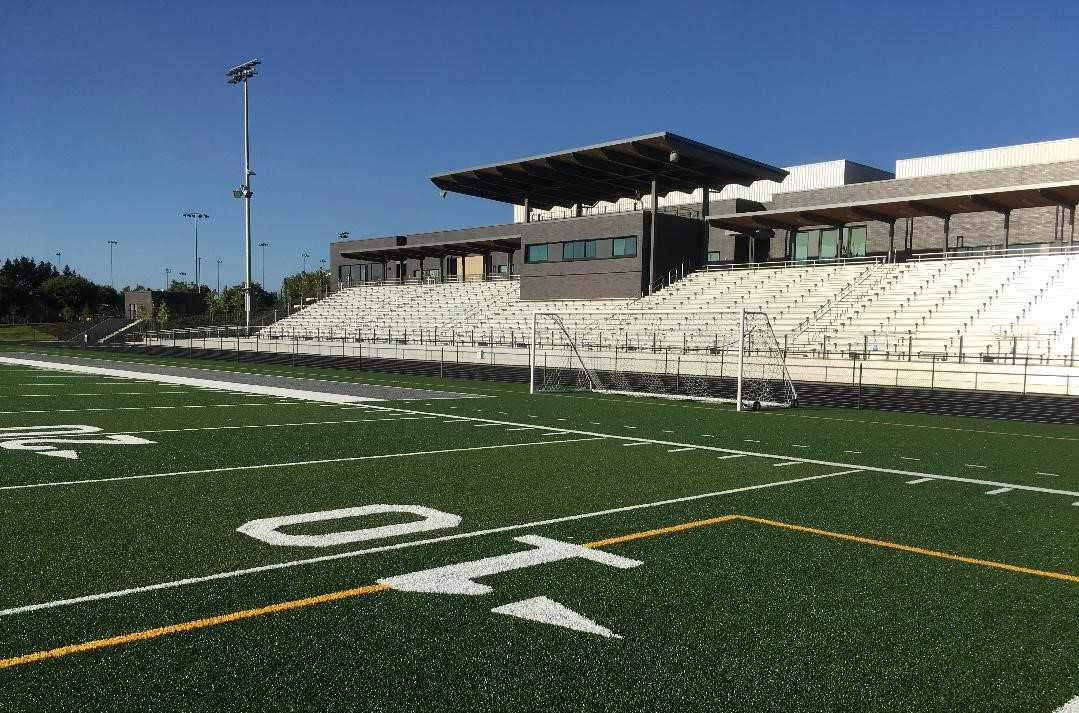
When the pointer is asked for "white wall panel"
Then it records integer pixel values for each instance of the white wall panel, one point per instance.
(985, 159)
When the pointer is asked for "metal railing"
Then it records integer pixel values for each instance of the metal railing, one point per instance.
(1011, 251)
(1023, 376)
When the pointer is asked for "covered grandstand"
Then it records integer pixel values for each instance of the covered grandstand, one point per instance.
(967, 259)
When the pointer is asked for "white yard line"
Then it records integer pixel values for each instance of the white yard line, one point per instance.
(786, 414)
(147, 408)
(1055, 475)
(405, 545)
(732, 455)
(919, 481)
(636, 443)
(680, 450)
(975, 465)
(289, 464)
(999, 491)
(266, 425)
(786, 463)
(192, 381)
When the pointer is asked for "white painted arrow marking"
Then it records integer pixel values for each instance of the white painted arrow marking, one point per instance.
(548, 611)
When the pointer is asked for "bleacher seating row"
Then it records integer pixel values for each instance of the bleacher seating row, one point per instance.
(986, 306)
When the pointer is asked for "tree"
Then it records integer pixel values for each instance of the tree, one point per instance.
(75, 296)
(163, 316)
(305, 285)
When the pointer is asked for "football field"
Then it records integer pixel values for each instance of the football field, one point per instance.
(222, 537)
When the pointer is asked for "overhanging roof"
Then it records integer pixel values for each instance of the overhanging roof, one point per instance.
(608, 171)
(439, 249)
(939, 205)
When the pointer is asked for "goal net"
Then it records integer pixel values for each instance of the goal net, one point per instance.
(728, 356)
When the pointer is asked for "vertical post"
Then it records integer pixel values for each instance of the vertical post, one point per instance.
(1071, 240)
(528, 211)
(741, 357)
(947, 232)
(247, 215)
(891, 241)
(532, 358)
(705, 200)
(1007, 229)
(652, 236)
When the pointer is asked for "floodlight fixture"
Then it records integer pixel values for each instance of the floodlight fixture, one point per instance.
(243, 72)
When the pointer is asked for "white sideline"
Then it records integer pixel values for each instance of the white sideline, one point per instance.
(675, 444)
(403, 545)
(735, 453)
(191, 381)
(263, 466)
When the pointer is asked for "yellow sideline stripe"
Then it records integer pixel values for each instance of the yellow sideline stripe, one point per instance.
(914, 550)
(189, 625)
(373, 588)
(661, 531)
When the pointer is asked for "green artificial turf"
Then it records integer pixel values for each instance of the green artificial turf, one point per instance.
(730, 616)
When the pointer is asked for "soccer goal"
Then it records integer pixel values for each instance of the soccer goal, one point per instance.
(725, 356)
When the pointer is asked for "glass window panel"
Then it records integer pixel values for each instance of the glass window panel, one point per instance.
(536, 253)
(829, 243)
(624, 247)
(856, 239)
(715, 256)
(801, 245)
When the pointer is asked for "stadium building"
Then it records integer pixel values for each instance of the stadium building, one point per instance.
(617, 220)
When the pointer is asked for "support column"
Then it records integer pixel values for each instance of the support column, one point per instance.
(652, 236)
(947, 232)
(705, 199)
(891, 242)
(1071, 240)
(528, 211)
(1007, 228)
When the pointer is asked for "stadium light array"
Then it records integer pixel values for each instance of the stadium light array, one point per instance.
(239, 75)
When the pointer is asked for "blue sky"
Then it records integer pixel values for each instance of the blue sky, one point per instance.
(116, 118)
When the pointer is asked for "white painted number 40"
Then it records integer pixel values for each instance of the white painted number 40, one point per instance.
(454, 578)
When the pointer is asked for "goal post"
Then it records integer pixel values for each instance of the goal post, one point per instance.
(730, 356)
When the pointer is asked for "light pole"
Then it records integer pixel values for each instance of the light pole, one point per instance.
(219, 275)
(111, 244)
(263, 246)
(57, 260)
(239, 75)
(195, 218)
(305, 256)
(321, 273)
(168, 271)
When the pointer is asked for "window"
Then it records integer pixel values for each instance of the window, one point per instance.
(829, 244)
(801, 245)
(624, 247)
(415, 273)
(579, 250)
(503, 269)
(856, 241)
(536, 253)
(715, 256)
